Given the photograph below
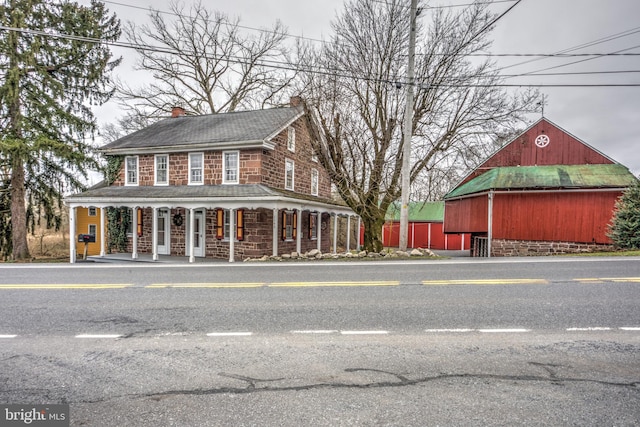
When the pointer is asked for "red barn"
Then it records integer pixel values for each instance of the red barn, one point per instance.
(544, 192)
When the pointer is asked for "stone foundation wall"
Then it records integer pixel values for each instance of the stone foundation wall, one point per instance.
(500, 248)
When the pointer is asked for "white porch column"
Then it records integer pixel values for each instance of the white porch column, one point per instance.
(103, 236)
(72, 235)
(358, 238)
(154, 238)
(348, 233)
(192, 225)
(275, 231)
(319, 231)
(232, 234)
(134, 252)
(299, 232)
(335, 234)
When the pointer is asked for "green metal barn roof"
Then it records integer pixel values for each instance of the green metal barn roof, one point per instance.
(418, 211)
(547, 177)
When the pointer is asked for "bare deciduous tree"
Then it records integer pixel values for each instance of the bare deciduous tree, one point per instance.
(201, 61)
(358, 105)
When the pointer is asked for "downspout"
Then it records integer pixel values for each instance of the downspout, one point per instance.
(490, 224)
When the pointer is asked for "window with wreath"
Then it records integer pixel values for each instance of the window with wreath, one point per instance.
(223, 224)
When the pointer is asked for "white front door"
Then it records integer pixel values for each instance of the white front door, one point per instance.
(197, 235)
(164, 235)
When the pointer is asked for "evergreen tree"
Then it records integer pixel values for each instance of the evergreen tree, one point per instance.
(624, 229)
(54, 64)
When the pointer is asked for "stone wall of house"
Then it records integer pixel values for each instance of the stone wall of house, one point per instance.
(504, 248)
(257, 166)
(258, 235)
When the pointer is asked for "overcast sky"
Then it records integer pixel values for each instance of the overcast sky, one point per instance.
(607, 118)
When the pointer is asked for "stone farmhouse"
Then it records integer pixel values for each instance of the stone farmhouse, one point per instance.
(232, 186)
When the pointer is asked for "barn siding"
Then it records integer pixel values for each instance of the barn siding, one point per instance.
(466, 215)
(559, 217)
(428, 235)
(564, 149)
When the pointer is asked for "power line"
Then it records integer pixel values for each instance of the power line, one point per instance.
(292, 67)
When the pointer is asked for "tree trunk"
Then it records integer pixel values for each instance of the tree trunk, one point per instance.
(373, 234)
(18, 211)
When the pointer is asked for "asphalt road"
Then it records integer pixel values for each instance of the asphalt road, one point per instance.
(507, 342)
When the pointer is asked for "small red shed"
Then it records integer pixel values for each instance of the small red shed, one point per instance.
(425, 228)
(544, 192)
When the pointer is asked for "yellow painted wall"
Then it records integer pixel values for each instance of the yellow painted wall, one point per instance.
(82, 227)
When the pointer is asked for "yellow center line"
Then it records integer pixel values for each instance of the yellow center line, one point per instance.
(66, 286)
(608, 279)
(331, 284)
(486, 282)
(205, 285)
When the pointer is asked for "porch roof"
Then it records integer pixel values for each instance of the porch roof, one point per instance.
(225, 196)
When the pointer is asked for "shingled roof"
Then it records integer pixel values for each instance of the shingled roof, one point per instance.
(213, 130)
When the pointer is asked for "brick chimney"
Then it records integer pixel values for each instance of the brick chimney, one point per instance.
(177, 112)
(294, 101)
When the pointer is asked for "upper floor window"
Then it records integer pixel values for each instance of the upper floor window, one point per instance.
(289, 174)
(314, 157)
(291, 139)
(92, 211)
(314, 182)
(162, 169)
(230, 166)
(196, 175)
(131, 170)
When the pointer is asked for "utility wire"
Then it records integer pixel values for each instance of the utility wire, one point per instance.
(292, 67)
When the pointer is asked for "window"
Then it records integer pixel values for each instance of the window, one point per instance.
(230, 167)
(92, 211)
(288, 174)
(314, 157)
(291, 139)
(195, 168)
(223, 224)
(313, 226)
(314, 182)
(162, 169)
(93, 229)
(131, 170)
(289, 225)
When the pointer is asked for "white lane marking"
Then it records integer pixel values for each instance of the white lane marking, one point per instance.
(597, 328)
(364, 332)
(319, 331)
(630, 328)
(7, 336)
(502, 331)
(98, 336)
(230, 334)
(450, 330)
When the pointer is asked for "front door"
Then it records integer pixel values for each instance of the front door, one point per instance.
(197, 235)
(164, 236)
